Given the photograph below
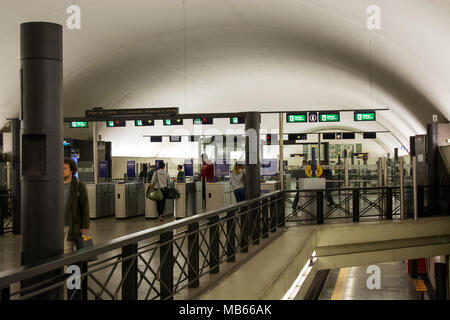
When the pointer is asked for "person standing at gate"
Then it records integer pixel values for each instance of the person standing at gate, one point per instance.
(181, 178)
(161, 180)
(76, 204)
(237, 181)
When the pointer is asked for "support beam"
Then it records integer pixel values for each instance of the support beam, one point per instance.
(16, 185)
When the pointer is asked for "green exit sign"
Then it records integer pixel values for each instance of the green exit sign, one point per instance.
(329, 117)
(78, 124)
(296, 117)
(365, 116)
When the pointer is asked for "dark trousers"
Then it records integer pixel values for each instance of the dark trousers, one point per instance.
(239, 194)
(160, 205)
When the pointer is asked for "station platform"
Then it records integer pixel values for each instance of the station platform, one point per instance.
(338, 247)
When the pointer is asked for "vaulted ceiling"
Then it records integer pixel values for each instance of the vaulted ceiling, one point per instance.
(242, 55)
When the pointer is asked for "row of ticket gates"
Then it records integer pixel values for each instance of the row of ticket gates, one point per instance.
(126, 200)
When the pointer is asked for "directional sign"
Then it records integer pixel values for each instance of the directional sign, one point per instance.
(78, 124)
(329, 117)
(102, 113)
(296, 117)
(312, 117)
(365, 115)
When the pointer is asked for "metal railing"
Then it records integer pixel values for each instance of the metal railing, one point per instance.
(6, 217)
(160, 262)
(156, 263)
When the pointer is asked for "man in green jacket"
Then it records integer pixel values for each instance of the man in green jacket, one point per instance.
(76, 220)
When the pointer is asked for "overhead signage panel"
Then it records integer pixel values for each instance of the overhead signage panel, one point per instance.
(144, 123)
(116, 123)
(367, 115)
(173, 122)
(329, 117)
(237, 120)
(102, 113)
(78, 124)
(203, 120)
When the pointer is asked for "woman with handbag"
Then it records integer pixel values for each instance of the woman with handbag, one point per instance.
(160, 180)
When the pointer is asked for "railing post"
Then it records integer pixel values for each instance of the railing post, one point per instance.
(281, 211)
(166, 270)
(231, 236)
(244, 230)
(193, 254)
(319, 207)
(5, 294)
(82, 293)
(273, 215)
(2, 231)
(389, 203)
(130, 272)
(265, 217)
(256, 221)
(214, 245)
(420, 201)
(355, 205)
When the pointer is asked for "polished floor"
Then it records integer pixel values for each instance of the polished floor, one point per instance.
(351, 284)
(101, 230)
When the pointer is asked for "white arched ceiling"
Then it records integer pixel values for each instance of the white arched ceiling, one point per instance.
(242, 55)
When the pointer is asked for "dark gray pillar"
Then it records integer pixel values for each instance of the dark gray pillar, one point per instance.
(326, 152)
(433, 167)
(15, 176)
(252, 162)
(42, 147)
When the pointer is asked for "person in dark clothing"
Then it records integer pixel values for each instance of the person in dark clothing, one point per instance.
(327, 174)
(150, 173)
(76, 206)
(143, 173)
(181, 178)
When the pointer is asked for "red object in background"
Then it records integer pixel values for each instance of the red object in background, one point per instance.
(208, 172)
(421, 266)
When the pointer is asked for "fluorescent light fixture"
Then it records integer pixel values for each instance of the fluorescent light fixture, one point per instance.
(295, 288)
(448, 140)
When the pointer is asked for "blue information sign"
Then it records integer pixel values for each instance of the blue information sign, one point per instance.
(131, 169)
(103, 169)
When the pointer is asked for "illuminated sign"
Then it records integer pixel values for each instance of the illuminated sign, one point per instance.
(78, 124)
(365, 116)
(116, 123)
(203, 120)
(102, 113)
(144, 123)
(173, 122)
(296, 117)
(329, 117)
(297, 136)
(237, 120)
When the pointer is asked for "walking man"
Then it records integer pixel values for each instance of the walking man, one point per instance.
(76, 221)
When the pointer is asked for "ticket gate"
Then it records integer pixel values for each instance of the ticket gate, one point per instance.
(309, 184)
(185, 205)
(218, 195)
(128, 198)
(101, 200)
(198, 198)
(270, 186)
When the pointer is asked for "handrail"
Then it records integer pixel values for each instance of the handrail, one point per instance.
(24, 272)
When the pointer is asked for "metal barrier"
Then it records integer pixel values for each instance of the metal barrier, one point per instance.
(156, 263)
(6, 219)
